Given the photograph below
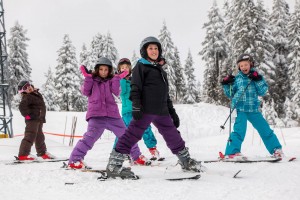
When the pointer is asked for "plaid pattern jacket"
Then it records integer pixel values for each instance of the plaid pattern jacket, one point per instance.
(245, 101)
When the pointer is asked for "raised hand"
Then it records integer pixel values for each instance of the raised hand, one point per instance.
(254, 76)
(228, 79)
(85, 72)
(123, 74)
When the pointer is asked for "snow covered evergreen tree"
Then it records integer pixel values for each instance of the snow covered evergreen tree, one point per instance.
(214, 53)
(292, 113)
(18, 65)
(263, 46)
(168, 53)
(180, 85)
(84, 58)
(96, 49)
(278, 20)
(198, 87)
(49, 92)
(134, 59)
(109, 50)
(191, 93)
(294, 55)
(67, 77)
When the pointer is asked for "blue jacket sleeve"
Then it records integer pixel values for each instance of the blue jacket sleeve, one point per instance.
(228, 90)
(261, 87)
(123, 86)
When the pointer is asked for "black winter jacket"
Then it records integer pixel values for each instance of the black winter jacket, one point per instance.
(33, 104)
(149, 86)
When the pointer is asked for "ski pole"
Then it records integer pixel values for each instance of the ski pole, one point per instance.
(234, 107)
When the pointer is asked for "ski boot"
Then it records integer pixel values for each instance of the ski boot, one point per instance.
(142, 160)
(234, 157)
(278, 153)
(28, 157)
(187, 163)
(114, 167)
(78, 165)
(155, 154)
(47, 156)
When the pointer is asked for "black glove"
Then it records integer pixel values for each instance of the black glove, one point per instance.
(255, 76)
(175, 117)
(228, 79)
(136, 110)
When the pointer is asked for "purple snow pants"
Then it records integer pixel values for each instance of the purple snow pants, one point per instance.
(96, 127)
(136, 128)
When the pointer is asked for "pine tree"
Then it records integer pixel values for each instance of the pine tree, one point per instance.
(67, 77)
(263, 46)
(49, 92)
(134, 59)
(191, 92)
(180, 79)
(109, 50)
(168, 53)
(96, 49)
(214, 53)
(198, 87)
(278, 20)
(18, 65)
(84, 57)
(294, 55)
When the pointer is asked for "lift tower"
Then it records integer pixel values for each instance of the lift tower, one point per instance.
(5, 106)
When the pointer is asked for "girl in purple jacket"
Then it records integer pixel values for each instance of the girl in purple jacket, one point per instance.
(103, 112)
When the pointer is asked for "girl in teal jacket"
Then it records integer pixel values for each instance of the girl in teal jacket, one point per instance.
(148, 136)
(243, 90)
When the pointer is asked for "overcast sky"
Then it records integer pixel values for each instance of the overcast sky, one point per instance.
(128, 21)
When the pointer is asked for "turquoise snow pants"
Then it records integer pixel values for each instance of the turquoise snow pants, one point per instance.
(148, 136)
(239, 131)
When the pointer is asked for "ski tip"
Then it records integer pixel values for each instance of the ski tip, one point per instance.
(221, 155)
(292, 159)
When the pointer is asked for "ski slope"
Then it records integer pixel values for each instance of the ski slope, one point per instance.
(200, 128)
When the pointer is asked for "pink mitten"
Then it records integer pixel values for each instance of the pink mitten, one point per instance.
(123, 74)
(85, 72)
(27, 117)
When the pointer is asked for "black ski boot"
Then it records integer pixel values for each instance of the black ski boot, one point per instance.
(187, 163)
(114, 167)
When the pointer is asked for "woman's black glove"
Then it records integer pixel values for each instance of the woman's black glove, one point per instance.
(136, 110)
(175, 117)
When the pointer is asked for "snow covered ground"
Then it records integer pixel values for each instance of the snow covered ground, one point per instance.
(200, 129)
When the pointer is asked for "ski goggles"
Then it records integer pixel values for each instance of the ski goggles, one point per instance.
(124, 60)
(25, 87)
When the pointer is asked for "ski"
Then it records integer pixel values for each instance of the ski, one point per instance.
(195, 177)
(248, 160)
(17, 162)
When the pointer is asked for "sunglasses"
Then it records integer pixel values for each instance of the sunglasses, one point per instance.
(25, 87)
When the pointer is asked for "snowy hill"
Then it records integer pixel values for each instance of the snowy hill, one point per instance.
(200, 128)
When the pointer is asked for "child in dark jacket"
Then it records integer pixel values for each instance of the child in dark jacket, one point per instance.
(244, 90)
(150, 104)
(33, 109)
(102, 113)
(148, 136)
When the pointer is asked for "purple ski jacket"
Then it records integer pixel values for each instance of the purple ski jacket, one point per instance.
(100, 96)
